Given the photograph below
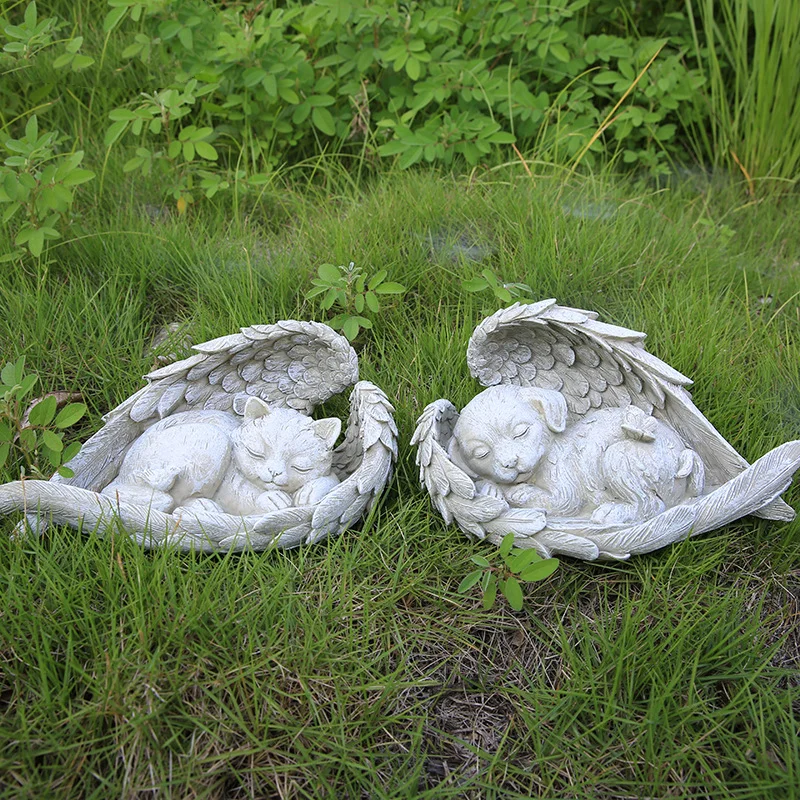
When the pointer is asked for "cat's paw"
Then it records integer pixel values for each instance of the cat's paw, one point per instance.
(488, 489)
(201, 504)
(615, 514)
(525, 496)
(313, 492)
(273, 500)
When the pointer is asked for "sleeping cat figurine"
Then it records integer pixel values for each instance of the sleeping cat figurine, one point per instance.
(272, 458)
(614, 465)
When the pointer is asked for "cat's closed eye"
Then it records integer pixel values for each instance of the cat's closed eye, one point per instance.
(255, 453)
(521, 430)
(480, 452)
(301, 470)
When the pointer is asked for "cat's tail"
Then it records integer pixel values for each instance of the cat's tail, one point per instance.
(71, 505)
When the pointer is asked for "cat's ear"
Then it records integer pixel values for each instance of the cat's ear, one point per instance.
(550, 404)
(254, 408)
(327, 429)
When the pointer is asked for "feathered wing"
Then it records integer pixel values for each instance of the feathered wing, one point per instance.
(288, 364)
(364, 460)
(597, 365)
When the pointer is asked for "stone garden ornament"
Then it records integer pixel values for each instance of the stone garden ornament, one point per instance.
(219, 451)
(585, 444)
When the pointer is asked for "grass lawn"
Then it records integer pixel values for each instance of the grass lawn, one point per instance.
(352, 668)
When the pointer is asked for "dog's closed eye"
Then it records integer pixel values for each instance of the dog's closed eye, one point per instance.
(521, 430)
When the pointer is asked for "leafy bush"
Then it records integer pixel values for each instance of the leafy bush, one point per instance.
(419, 81)
(36, 183)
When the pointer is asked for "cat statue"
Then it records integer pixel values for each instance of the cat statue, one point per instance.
(614, 466)
(270, 459)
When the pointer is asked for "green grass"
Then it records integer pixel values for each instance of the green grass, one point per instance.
(752, 95)
(352, 668)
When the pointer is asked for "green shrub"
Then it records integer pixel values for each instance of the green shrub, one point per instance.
(422, 82)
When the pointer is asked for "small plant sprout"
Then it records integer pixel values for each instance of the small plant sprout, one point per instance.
(351, 291)
(516, 566)
(505, 292)
(39, 433)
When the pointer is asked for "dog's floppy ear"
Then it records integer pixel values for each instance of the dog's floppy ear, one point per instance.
(550, 404)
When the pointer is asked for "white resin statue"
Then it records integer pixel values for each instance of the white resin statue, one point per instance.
(585, 444)
(219, 450)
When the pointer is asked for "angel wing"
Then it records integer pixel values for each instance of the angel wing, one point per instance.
(595, 365)
(290, 363)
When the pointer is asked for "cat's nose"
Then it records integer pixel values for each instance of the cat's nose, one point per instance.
(510, 461)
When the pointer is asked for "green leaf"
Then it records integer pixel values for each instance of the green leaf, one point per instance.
(474, 285)
(372, 302)
(77, 176)
(114, 17)
(69, 415)
(540, 570)
(390, 288)
(132, 164)
(115, 130)
(350, 328)
(30, 14)
(491, 278)
(469, 581)
(9, 375)
(560, 52)
(359, 301)
(6, 434)
(19, 370)
(53, 456)
(501, 293)
(506, 544)
(65, 472)
(52, 440)
(27, 438)
(513, 592)
(63, 60)
(490, 593)
(329, 273)
(26, 384)
(174, 149)
(70, 451)
(5, 447)
(36, 242)
(188, 151)
(479, 560)
(377, 279)
(206, 151)
(44, 411)
(329, 299)
(392, 148)
(81, 62)
(323, 120)
(32, 126)
(523, 559)
(410, 157)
